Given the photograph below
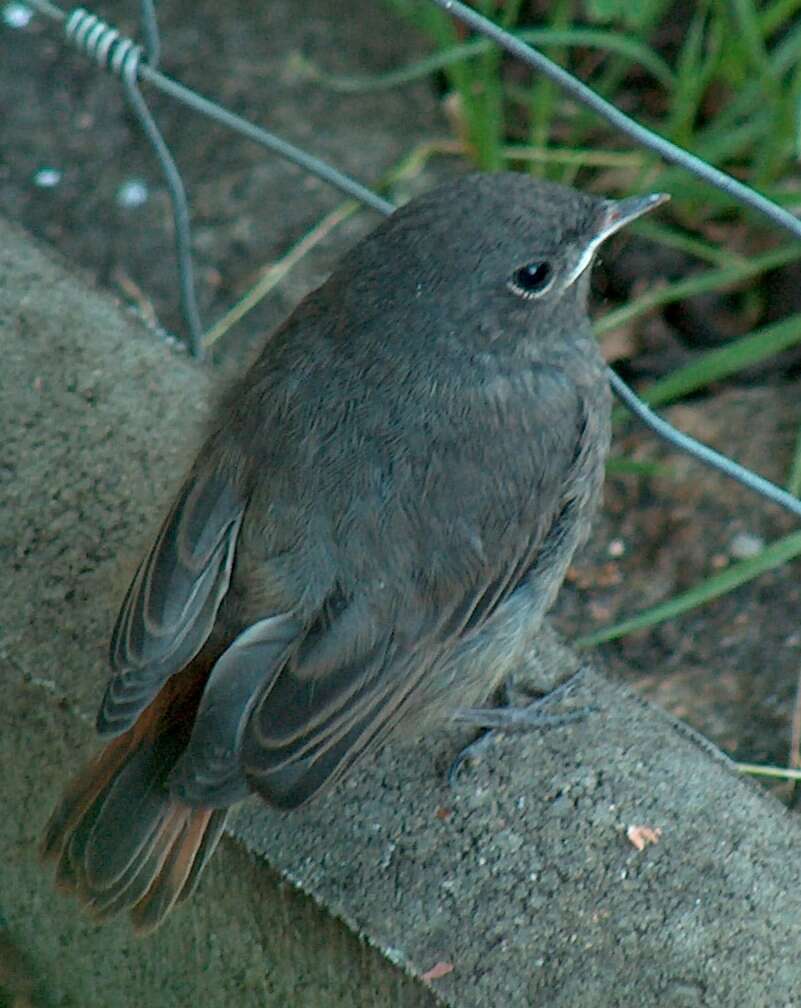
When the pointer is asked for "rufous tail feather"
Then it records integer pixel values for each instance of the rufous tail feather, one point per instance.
(121, 841)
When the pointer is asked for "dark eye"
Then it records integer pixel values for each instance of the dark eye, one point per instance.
(531, 280)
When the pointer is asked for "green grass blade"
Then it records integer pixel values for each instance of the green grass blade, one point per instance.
(778, 15)
(718, 364)
(690, 84)
(738, 574)
(452, 55)
(750, 33)
(794, 482)
(672, 237)
(711, 280)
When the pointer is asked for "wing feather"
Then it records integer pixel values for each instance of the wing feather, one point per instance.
(174, 598)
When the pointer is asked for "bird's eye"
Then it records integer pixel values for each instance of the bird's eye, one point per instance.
(531, 280)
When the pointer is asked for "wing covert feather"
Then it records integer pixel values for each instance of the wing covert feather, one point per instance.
(173, 600)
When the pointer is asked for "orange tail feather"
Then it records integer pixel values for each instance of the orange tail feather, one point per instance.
(121, 841)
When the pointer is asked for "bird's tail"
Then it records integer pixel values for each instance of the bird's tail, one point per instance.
(120, 839)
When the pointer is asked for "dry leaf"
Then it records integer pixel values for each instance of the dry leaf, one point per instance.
(438, 970)
(641, 836)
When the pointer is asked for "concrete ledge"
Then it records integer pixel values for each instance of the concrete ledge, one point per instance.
(521, 879)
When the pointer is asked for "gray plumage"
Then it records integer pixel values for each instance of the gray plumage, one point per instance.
(415, 445)
(386, 505)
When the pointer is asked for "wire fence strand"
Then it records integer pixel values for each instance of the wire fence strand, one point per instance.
(583, 94)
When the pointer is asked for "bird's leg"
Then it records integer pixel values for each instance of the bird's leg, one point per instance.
(508, 718)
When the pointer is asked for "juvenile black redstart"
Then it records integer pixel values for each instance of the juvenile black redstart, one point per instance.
(382, 513)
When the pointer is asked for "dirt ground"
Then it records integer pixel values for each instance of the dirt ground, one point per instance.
(70, 153)
(731, 667)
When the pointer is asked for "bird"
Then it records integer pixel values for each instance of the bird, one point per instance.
(383, 509)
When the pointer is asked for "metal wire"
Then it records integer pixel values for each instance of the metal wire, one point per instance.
(180, 207)
(311, 164)
(647, 138)
(701, 451)
(150, 32)
(122, 57)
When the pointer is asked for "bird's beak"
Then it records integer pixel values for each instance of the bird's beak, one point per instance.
(614, 215)
(618, 213)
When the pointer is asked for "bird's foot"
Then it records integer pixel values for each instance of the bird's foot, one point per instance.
(531, 717)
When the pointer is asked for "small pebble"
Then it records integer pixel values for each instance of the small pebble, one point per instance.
(745, 545)
(133, 193)
(16, 15)
(47, 178)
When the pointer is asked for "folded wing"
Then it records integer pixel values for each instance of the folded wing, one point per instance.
(173, 600)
